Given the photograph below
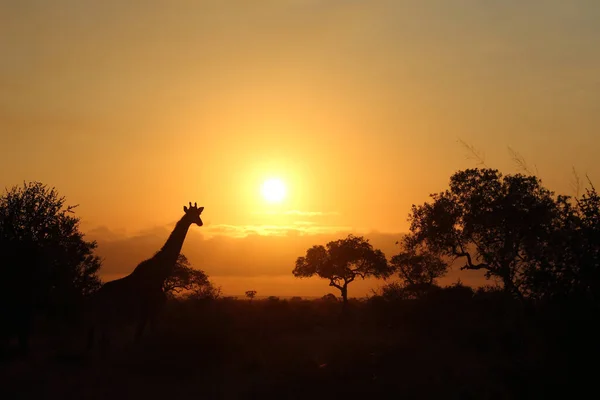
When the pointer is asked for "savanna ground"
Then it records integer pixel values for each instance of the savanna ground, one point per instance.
(452, 343)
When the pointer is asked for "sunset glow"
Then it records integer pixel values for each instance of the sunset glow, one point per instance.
(295, 122)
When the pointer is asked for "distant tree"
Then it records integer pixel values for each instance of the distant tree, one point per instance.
(185, 278)
(330, 297)
(417, 265)
(342, 261)
(250, 294)
(206, 292)
(496, 223)
(45, 263)
(395, 291)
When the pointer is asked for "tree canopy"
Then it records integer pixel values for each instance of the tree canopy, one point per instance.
(342, 261)
(46, 265)
(185, 278)
(42, 246)
(417, 265)
(514, 229)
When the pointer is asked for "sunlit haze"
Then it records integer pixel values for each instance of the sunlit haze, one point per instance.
(293, 122)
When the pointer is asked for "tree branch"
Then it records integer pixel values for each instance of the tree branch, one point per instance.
(469, 265)
(332, 283)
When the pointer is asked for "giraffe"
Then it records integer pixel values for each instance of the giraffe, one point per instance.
(137, 297)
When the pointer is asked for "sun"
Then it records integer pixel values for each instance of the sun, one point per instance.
(273, 190)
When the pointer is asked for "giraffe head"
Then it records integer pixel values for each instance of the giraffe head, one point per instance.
(193, 214)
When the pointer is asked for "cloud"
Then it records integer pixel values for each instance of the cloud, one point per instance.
(294, 229)
(104, 233)
(300, 213)
(310, 213)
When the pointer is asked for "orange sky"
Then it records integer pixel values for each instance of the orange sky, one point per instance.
(133, 110)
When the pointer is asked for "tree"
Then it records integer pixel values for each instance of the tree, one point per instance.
(569, 263)
(417, 265)
(587, 243)
(342, 261)
(185, 278)
(329, 298)
(250, 294)
(46, 265)
(496, 223)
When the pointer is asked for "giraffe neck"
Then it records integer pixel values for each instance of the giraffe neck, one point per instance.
(172, 247)
(155, 270)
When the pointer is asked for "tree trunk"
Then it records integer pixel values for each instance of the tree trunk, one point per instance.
(344, 290)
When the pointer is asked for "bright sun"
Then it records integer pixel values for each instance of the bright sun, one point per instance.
(273, 190)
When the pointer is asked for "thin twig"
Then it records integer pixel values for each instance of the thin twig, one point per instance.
(473, 153)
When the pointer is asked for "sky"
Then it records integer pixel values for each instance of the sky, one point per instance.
(132, 109)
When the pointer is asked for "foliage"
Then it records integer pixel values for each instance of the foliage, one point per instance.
(206, 292)
(569, 264)
(395, 291)
(342, 261)
(250, 294)
(186, 279)
(494, 222)
(417, 265)
(44, 255)
(538, 245)
(329, 297)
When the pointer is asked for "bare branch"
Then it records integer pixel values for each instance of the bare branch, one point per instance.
(469, 264)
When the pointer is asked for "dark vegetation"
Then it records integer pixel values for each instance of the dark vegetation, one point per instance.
(532, 333)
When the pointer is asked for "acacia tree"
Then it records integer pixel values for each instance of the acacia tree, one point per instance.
(342, 261)
(185, 278)
(250, 294)
(417, 265)
(494, 222)
(45, 263)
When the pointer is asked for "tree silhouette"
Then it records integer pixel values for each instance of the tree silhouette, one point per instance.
(418, 265)
(496, 223)
(185, 278)
(569, 263)
(342, 261)
(330, 298)
(250, 294)
(46, 265)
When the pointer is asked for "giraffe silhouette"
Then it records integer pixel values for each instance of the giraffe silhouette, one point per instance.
(137, 297)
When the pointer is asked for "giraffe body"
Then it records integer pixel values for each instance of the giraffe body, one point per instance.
(137, 297)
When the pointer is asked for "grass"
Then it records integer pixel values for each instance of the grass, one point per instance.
(231, 349)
